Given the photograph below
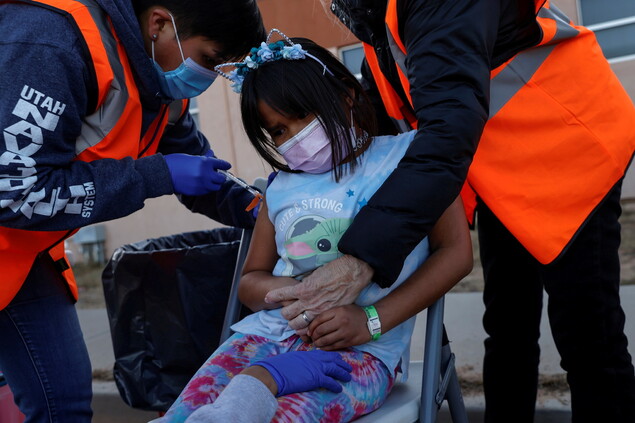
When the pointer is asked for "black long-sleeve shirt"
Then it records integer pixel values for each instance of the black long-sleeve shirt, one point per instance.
(451, 48)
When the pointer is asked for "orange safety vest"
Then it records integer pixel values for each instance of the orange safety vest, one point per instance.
(547, 156)
(118, 108)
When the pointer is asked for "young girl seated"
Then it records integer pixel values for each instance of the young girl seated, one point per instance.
(308, 117)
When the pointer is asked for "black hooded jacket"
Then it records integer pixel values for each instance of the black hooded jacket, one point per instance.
(452, 47)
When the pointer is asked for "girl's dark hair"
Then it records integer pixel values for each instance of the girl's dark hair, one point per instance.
(235, 24)
(297, 87)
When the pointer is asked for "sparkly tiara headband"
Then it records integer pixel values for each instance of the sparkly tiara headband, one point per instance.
(267, 52)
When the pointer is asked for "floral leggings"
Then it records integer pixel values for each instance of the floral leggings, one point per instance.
(368, 389)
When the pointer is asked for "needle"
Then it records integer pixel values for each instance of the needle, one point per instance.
(239, 182)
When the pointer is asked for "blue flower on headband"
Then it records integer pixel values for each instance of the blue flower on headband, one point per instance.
(251, 63)
(293, 52)
(237, 80)
(265, 54)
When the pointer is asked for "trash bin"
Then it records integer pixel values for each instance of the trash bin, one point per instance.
(9, 412)
(166, 299)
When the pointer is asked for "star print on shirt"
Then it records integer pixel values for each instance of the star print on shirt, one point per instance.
(363, 202)
(350, 193)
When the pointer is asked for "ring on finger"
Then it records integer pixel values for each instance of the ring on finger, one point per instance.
(305, 317)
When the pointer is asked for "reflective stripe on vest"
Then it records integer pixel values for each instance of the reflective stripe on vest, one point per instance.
(112, 131)
(546, 157)
(111, 106)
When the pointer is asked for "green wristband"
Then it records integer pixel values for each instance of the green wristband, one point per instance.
(373, 323)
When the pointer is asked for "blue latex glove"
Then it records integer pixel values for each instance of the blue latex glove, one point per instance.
(301, 371)
(195, 175)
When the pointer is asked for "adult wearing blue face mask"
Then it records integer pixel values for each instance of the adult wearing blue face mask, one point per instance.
(94, 114)
(189, 79)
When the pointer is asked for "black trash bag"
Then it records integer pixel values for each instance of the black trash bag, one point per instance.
(166, 300)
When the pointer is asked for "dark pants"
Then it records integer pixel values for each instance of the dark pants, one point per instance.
(585, 315)
(42, 351)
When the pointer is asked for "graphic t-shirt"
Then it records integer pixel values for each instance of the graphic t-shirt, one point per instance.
(310, 212)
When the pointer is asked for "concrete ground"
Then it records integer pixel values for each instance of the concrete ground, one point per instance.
(463, 312)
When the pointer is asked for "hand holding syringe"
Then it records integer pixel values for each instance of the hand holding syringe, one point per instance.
(257, 195)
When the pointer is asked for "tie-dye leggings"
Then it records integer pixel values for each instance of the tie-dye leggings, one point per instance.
(368, 389)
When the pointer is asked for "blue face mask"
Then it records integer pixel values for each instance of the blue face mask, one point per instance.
(188, 80)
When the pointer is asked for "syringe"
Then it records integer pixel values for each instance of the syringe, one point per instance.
(257, 195)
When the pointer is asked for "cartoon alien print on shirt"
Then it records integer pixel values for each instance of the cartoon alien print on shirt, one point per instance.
(312, 241)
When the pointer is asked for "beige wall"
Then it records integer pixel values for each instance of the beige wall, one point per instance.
(220, 121)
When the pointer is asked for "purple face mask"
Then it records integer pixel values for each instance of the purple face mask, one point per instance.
(309, 150)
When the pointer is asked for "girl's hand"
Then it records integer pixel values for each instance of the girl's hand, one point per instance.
(339, 327)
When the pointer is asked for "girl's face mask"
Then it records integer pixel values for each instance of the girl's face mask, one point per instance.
(188, 80)
(309, 150)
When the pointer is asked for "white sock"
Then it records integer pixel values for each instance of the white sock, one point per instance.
(244, 400)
